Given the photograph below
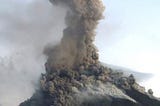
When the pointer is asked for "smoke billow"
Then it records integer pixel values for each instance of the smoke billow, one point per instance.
(76, 47)
(26, 28)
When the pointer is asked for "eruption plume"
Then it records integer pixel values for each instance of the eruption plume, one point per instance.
(76, 47)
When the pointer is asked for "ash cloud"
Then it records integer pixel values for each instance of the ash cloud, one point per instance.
(26, 28)
(76, 47)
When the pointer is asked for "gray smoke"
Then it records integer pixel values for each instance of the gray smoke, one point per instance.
(76, 47)
(26, 28)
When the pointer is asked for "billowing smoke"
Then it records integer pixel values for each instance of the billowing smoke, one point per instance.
(76, 47)
(26, 28)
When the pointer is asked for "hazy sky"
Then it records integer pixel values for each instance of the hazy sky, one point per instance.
(130, 36)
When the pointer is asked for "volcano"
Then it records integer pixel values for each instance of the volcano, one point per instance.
(75, 76)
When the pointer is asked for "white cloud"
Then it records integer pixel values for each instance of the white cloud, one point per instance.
(26, 29)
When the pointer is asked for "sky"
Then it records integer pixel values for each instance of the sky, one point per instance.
(129, 36)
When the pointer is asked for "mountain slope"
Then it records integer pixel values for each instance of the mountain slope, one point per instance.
(96, 86)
